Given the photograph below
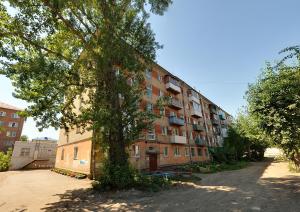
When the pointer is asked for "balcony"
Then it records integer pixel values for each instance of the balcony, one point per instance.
(175, 103)
(222, 117)
(172, 85)
(176, 139)
(198, 127)
(196, 113)
(213, 109)
(193, 98)
(200, 142)
(173, 120)
(215, 122)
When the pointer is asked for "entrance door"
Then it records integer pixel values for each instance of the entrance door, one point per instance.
(153, 162)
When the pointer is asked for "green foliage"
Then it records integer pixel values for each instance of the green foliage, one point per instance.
(274, 100)
(246, 140)
(59, 51)
(124, 177)
(24, 138)
(5, 160)
(215, 167)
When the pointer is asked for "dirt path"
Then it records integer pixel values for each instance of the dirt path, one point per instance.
(262, 186)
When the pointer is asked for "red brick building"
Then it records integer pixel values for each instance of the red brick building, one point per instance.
(11, 125)
(188, 126)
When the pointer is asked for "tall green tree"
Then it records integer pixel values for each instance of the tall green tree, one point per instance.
(58, 51)
(275, 101)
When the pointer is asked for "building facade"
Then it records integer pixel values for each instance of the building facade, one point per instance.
(11, 125)
(38, 154)
(188, 125)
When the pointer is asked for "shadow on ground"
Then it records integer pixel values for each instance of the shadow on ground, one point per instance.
(242, 190)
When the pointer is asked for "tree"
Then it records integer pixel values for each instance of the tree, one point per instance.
(24, 138)
(58, 51)
(275, 101)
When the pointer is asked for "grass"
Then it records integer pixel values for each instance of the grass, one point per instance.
(69, 173)
(215, 167)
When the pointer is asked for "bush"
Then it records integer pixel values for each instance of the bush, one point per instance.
(5, 160)
(125, 177)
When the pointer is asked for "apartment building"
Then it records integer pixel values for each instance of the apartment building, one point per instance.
(11, 125)
(188, 125)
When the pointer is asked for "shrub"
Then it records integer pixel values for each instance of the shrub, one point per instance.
(69, 173)
(5, 160)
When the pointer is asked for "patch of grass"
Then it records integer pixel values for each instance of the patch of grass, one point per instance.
(214, 167)
(69, 173)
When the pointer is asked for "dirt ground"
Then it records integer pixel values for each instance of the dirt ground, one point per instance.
(263, 186)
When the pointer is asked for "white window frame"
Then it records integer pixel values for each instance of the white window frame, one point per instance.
(25, 152)
(165, 151)
(15, 116)
(2, 113)
(187, 151)
(10, 124)
(136, 151)
(148, 73)
(164, 130)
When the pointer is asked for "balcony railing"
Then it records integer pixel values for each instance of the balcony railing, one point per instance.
(215, 122)
(198, 127)
(172, 85)
(194, 98)
(213, 109)
(196, 113)
(199, 141)
(175, 103)
(176, 139)
(173, 120)
(151, 137)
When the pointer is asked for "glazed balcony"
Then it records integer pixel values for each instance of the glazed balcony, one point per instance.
(176, 139)
(200, 142)
(222, 117)
(196, 113)
(175, 103)
(194, 97)
(213, 109)
(198, 127)
(173, 120)
(172, 85)
(215, 122)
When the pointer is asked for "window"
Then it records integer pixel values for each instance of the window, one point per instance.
(149, 91)
(149, 107)
(75, 153)
(11, 134)
(162, 111)
(164, 130)
(13, 124)
(184, 133)
(165, 152)
(161, 93)
(151, 135)
(2, 113)
(175, 131)
(187, 152)
(193, 152)
(62, 156)
(25, 152)
(148, 73)
(160, 78)
(15, 116)
(176, 151)
(206, 152)
(199, 152)
(136, 150)
(1, 123)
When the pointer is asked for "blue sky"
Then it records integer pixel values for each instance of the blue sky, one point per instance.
(217, 46)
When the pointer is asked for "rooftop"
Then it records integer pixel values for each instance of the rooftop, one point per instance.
(7, 106)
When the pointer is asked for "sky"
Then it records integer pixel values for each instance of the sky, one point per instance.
(216, 46)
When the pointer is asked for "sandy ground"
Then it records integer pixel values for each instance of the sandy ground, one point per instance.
(263, 186)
